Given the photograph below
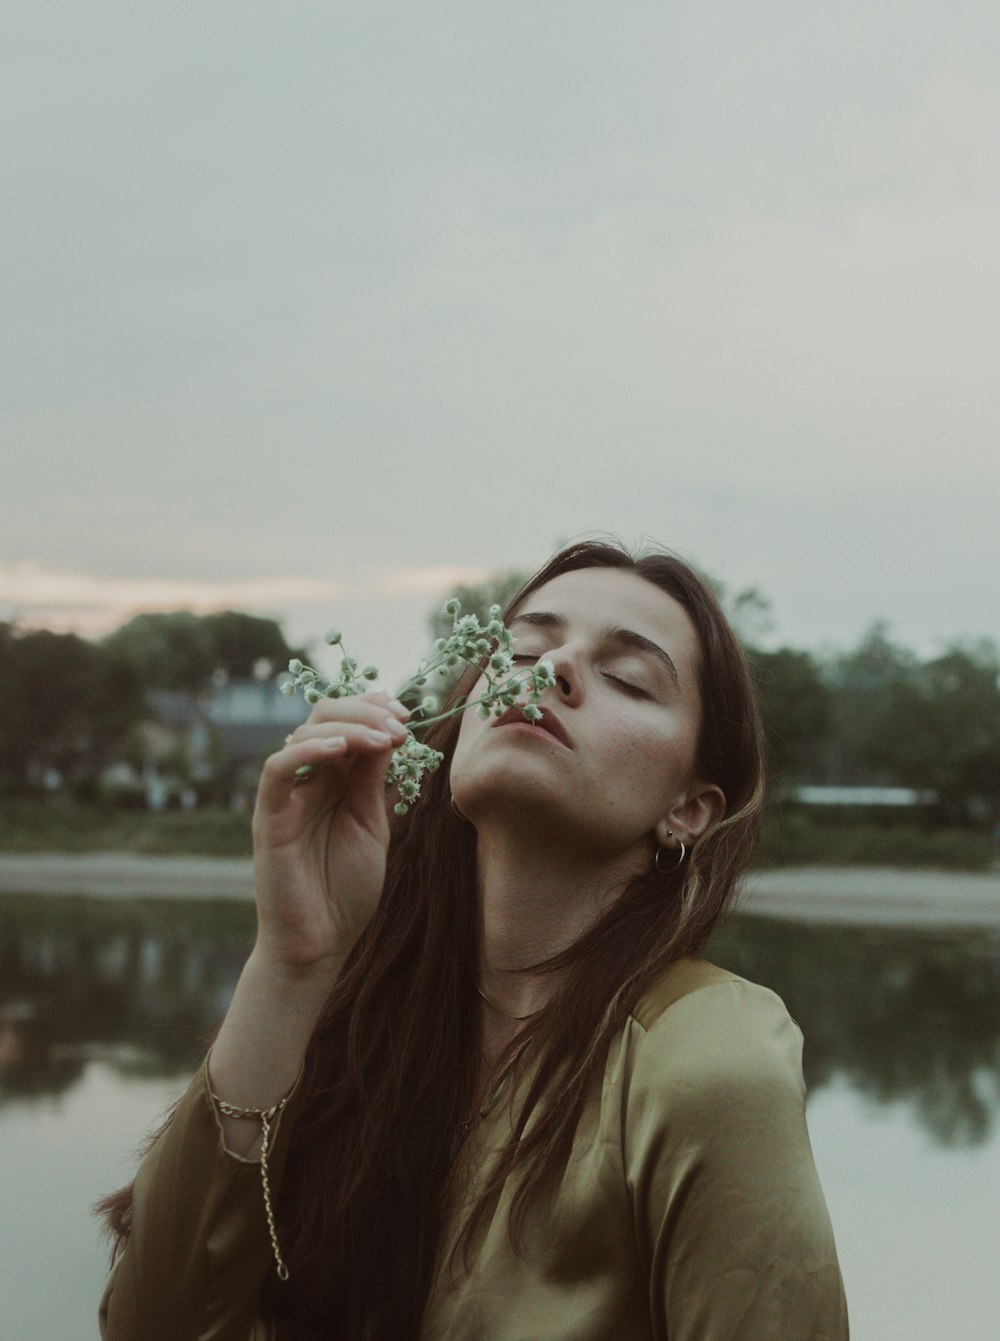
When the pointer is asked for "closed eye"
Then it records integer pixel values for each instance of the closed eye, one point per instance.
(628, 688)
(625, 685)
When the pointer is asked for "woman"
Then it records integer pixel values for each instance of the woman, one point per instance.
(516, 1102)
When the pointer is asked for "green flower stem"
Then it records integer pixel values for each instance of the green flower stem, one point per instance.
(422, 676)
(306, 769)
(461, 707)
(441, 716)
(470, 644)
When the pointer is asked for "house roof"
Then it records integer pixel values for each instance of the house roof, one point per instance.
(254, 702)
(173, 708)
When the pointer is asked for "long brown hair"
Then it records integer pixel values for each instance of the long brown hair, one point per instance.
(392, 1065)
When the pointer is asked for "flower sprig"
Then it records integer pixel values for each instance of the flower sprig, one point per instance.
(488, 648)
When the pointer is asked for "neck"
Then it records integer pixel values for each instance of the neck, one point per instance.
(537, 895)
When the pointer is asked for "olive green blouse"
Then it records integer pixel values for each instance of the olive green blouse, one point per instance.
(689, 1209)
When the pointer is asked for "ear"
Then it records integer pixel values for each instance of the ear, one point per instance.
(703, 807)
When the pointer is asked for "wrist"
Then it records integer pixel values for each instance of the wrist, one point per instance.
(290, 981)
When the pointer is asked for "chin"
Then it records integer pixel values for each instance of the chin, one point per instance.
(511, 791)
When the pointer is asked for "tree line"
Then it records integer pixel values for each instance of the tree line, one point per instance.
(72, 707)
(878, 715)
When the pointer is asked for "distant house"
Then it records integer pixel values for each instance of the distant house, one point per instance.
(250, 719)
(214, 743)
(879, 797)
(172, 754)
(176, 724)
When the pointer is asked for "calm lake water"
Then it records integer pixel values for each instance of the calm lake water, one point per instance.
(104, 1008)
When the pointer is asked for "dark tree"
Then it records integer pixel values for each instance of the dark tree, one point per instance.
(939, 730)
(797, 706)
(65, 703)
(182, 651)
(862, 683)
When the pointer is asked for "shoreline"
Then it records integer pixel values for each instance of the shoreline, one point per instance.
(870, 896)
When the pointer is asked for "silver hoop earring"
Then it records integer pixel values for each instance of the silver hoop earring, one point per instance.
(679, 862)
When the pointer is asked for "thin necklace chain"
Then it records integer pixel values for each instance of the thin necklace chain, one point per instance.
(505, 1013)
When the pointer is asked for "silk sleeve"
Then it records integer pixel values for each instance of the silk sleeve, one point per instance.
(730, 1219)
(199, 1247)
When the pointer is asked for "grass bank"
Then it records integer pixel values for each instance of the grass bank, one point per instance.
(796, 837)
(56, 826)
(791, 837)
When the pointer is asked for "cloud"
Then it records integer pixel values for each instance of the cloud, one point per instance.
(40, 597)
(426, 581)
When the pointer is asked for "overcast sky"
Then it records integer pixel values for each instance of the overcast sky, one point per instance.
(314, 309)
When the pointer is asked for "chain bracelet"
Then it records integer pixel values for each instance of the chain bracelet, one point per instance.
(266, 1116)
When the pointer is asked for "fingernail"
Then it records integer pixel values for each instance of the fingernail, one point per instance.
(394, 726)
(400, 709)
(334, 745)
(379, 737)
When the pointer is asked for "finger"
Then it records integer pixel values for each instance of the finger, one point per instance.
(278, 776)
(358, 708)
(376, 719)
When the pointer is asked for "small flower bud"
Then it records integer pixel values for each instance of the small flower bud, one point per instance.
(295, 666)
(332, 636)
(543, 676)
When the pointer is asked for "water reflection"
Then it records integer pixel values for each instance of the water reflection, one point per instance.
(907, 1016)
(901, 1016)
(140, 985)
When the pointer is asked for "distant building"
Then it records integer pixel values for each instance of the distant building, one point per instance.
(214, 744)
(893, 797)
(251, 719)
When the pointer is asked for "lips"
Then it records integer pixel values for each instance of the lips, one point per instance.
(547, 722)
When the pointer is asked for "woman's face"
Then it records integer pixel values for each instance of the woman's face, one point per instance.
(611, 764)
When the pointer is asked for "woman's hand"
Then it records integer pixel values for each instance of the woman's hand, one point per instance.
(320, 842)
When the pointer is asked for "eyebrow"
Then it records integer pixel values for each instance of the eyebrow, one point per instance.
(614, 633)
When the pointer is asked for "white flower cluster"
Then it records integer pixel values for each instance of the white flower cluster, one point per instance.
(470, 644)
(351, 680)
(407, 767)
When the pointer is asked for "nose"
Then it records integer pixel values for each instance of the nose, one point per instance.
(569, 681)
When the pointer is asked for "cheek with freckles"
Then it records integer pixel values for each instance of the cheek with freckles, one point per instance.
(654, 771)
